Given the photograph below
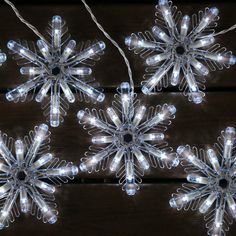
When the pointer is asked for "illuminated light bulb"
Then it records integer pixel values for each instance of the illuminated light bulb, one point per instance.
(67, 91)
(197, 179)
(92, 161)
(67, 51)
(200, 68)
(43, 91)
(207, 19)
(130, 186)
(164, 114)
(114, 117)
(179, 201)
(141, 159)
(218, 221)
(44, 49)
(89, 91)
(3, 58)
(44, 186)
(56, 31)
(91, 51)
(55, 111)
(175, 74)
(102, 139)
(161, 35)
(196, 96)
(206, 204)
(4, 168)
(24, 202)
(42, 161)
(19, 147)
(32, 70)
(5, 188)
(186, 153)
(63, 171)
(229, 140)
(153, 137)
(125, 97)
(184, 27)
(203, 42)
(139, 43)
(154, 80)
(79, 71)
(46, 210)
(213, 160)
(154, 60)
(233, 170)
(140, 112)
(231, 204)
(24, 52)
(166, 13)
(116, 160)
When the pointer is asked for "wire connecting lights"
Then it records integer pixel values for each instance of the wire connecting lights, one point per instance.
(128, 138)
(56, 70)
(213, 191)
(28, 178)
(180, 50)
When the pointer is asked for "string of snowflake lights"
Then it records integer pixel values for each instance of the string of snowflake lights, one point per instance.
(213, 191)
(28, 178)
(180, 50)
(54, 71)
(128, 138)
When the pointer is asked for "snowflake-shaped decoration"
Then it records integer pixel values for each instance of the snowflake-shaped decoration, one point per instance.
(57, 70)
(213, 191)
(180, 51)
(30, 177)
(128, 138)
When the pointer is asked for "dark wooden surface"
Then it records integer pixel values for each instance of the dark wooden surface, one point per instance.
(94, 204)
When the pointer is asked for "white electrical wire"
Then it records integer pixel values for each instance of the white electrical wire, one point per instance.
(113, 42)
(33, 28)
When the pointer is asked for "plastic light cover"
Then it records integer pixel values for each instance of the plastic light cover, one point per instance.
(128, 138)
(28, 175)
(180, 53)
(211, 173)
(56, 71)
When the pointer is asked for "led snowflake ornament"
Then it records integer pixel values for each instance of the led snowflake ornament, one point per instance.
(29, 177)
(180, 51)
(56, 70)
(128, 138)
(213, 191)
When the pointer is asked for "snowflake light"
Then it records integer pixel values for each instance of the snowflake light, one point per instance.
(28, 177)
(180, 51)
(56, 69)
(128, 138)
(213, 191)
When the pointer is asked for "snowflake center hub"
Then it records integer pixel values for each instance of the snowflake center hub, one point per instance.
(128, 138)
(180, 50)
(56, 70)
(21, 175)
(223, 183)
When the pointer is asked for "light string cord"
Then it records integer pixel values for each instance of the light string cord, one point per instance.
(19, 16)
(113, 42)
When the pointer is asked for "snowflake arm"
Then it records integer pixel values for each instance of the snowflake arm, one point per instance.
(55, 71)
(180, 51)
(128, 138)
(30, 176)
(211, 173)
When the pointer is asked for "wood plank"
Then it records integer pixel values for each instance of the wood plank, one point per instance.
(195, 125)
(119, 20)
(105, 210)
